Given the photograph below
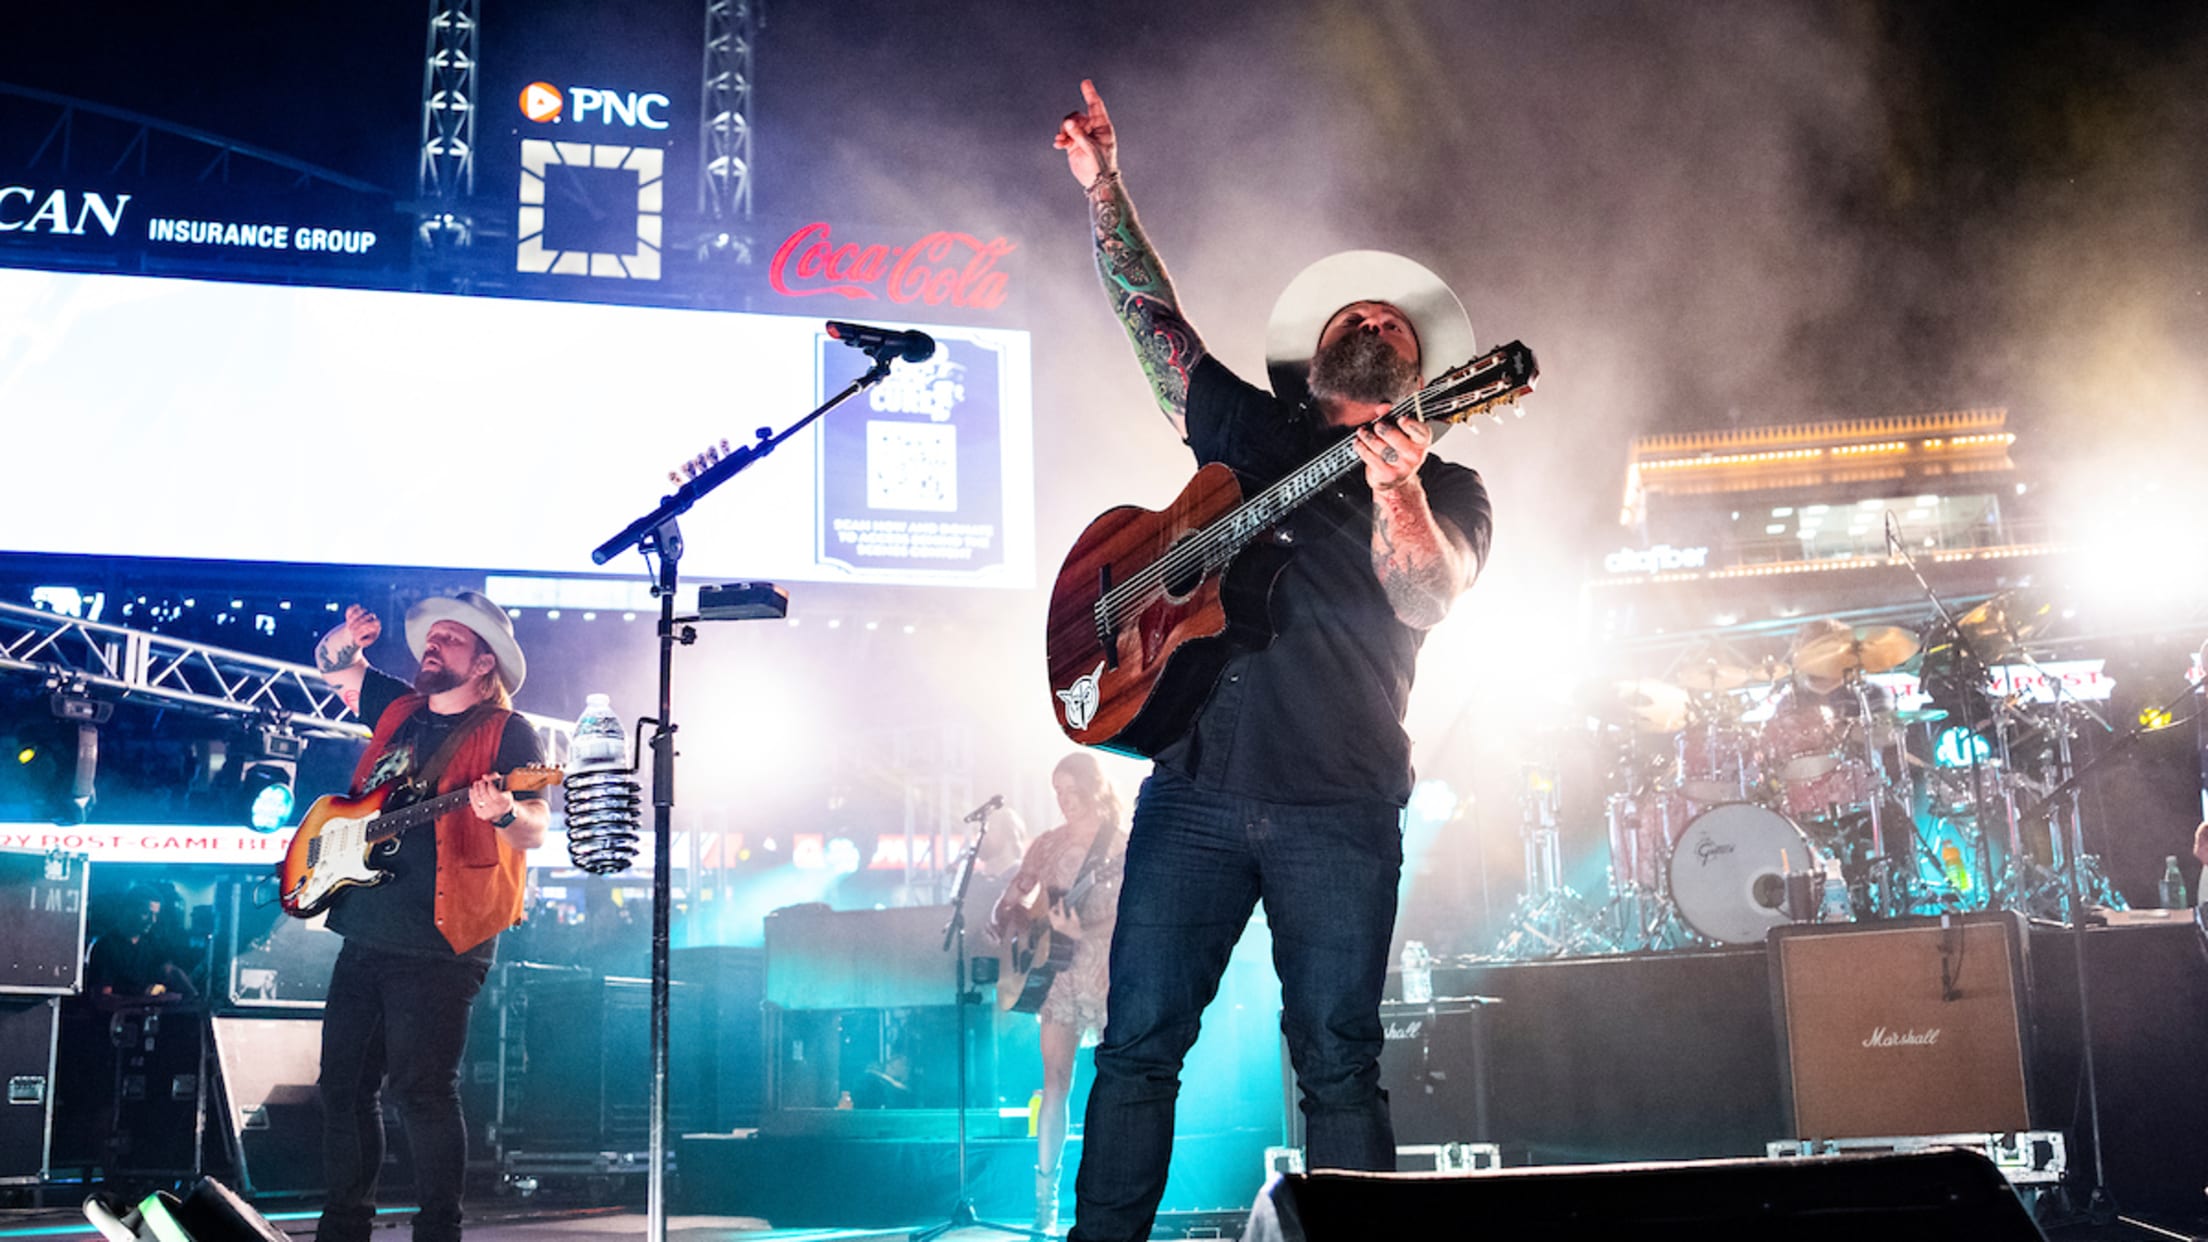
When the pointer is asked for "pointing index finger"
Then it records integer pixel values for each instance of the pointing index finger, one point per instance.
(1097, 114)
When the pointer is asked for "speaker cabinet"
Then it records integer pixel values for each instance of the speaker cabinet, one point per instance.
(1908, 1027)
(272, 1106)
(1434, 1067)
(1929, 1196)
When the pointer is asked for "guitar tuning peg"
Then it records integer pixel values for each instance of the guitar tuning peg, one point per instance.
(724, 444)
(1517, 410)
(713, 454)
(674, 476)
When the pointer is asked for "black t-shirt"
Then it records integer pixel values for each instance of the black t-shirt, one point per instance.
(400, 914)
(1317, 717)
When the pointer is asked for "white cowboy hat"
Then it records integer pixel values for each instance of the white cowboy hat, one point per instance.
(478, 613)
(1318, 291)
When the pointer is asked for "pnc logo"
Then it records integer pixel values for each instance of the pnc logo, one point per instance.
(541, 102)
(547, 104)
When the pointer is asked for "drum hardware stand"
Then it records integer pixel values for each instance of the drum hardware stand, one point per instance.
(2099, 1206)
(2010, 887)
(1551, 920)
(659, 539)
(1890, 885)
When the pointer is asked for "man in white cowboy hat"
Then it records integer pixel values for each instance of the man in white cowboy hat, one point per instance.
(1289, 788)
(418, 945)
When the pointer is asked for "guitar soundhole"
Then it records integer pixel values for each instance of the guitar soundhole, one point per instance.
(1184, 575)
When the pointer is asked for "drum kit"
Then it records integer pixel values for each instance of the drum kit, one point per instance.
(1746, 794)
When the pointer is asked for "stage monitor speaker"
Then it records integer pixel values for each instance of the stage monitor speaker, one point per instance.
(1909, 1027)
(1434, 1067)
(211, 1212)
(1925, 1196)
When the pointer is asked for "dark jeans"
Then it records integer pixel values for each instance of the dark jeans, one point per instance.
(401, 1018)
(1197, 863)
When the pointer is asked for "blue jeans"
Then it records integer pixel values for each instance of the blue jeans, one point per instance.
(405, 1018)
(1197, 863)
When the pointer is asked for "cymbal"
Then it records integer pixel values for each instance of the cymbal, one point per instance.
(1648, 705)
(1825, 661)
(1997, 628)
(1919, 715)
(1712, 677)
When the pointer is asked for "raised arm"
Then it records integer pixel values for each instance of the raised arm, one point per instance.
(1134, 277)
(342, 655)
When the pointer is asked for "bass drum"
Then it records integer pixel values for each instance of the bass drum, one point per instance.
(1729, 871)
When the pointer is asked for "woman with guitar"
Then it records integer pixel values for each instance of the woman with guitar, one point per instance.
(1287, 780)
(1067, 889)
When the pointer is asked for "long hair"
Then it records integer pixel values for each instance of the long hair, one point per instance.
(1088, 779)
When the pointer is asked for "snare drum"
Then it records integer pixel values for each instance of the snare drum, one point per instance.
(1801, 743)
(1729, 872)
(1846, 789)
(1717, 762)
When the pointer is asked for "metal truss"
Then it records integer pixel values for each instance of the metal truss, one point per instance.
(724, 127)
(157, 670)
(446, 177)
(93, 137)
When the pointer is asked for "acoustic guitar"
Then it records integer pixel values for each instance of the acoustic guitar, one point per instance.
(1035, 952)
(334, 847)
(1150, 604)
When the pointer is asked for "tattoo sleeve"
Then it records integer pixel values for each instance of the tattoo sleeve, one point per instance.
(1142, 297)
(1422, 562)
(336, 650)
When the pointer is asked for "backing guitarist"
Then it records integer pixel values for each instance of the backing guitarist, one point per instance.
(418, 945)
(1069, 879)
(1290, 785)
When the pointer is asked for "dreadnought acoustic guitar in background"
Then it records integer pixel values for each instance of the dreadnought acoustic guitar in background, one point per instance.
(1150, 604)
(335, 845)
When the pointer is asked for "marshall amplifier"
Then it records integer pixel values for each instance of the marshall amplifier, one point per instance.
(1914, 1026)
(1433, 1067)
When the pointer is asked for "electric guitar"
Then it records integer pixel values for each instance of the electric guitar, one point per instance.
(1150, 604)
(337, 837)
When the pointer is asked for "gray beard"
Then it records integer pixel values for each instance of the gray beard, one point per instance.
(437, 680)
(1363, 368)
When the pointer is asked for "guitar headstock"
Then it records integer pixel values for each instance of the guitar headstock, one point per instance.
(534, 776)
(1482, 386)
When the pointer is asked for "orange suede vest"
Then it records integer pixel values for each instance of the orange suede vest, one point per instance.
(480, 878)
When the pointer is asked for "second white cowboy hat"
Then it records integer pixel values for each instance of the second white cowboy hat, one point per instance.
(476, 611)
(1309, 302)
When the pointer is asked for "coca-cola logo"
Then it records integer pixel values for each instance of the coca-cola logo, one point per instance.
(942, 268)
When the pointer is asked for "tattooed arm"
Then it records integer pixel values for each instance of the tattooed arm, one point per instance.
(1423, 562)
(342, 655)
(1134, 277)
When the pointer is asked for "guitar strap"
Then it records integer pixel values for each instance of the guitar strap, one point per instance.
(425, 780)
(1099, 848)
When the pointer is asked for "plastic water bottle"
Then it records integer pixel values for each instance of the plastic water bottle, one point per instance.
(600, 741)
(1836, 907)
(2173, 886)
(1418, 973)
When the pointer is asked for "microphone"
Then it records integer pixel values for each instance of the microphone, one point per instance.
(894, 342)
(981, 812)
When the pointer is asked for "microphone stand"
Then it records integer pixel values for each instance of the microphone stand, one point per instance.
(659, 539)
(963, 1215)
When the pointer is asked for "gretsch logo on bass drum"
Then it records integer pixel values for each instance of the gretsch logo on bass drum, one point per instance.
(1080, 699)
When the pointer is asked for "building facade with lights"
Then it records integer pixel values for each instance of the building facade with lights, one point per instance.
(1756, 527)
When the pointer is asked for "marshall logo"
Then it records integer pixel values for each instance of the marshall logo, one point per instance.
(1405, 1030)
(954, 268)
(1883, 1038)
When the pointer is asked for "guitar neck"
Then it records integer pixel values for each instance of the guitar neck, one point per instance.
(392, 823)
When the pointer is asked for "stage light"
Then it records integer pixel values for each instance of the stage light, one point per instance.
(268, 796)
(27, 756)
(2153, 718)
(843, 856)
